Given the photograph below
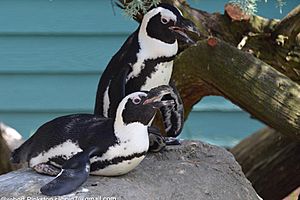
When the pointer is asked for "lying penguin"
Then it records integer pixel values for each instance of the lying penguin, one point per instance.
(73, 146)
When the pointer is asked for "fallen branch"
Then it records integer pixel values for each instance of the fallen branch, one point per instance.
(245, 80)
(270, 161)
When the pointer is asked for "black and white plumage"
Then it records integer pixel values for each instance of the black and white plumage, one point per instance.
(84, 143)
(145, 61)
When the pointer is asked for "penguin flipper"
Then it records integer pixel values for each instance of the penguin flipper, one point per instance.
(173, 115)
(118, 61)
(118, 90)
(74, 173)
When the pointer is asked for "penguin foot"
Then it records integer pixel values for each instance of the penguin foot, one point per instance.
(156, 141)
(48, 169)
(172, 141)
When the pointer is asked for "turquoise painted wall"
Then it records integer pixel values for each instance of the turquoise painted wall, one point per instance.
(53, 52)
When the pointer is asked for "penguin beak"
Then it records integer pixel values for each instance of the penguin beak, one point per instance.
(182, 27)
(155, 95)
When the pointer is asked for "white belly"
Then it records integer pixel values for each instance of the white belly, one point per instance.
(161, 76)
(132, 143)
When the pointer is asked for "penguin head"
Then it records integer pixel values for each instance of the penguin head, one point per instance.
(141, 106)
(166, 24)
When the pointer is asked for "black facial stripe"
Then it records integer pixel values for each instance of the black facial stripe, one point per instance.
(156, 29)
(134, 84)
(101, 164)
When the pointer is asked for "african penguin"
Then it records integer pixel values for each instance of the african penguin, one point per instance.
(75, 145)
(145, 61)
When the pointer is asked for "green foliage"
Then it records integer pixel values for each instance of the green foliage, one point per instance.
(250, 6)
(135, 6)
(280, 4)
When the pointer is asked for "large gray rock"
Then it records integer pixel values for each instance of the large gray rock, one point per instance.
(193, 170)
(11, 136)
(9, 140)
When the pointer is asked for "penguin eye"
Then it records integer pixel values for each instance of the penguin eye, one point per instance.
(136, 100)
(164, 20)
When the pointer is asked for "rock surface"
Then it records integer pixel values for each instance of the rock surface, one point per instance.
(193, 170)
(11, 136)
(9, 140)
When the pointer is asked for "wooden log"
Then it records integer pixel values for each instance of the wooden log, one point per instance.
(248, 82)
(271, 162)
(275, 42)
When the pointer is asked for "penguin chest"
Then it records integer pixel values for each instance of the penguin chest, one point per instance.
(160, 76)
(124, 156)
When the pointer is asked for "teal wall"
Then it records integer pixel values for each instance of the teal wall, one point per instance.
(53, 52)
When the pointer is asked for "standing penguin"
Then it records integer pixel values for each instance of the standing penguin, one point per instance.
(84, 143)
(145, 61)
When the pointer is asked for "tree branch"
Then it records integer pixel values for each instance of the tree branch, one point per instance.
(270, 161)
(263, 39)
(245, 80)
(289, 26)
